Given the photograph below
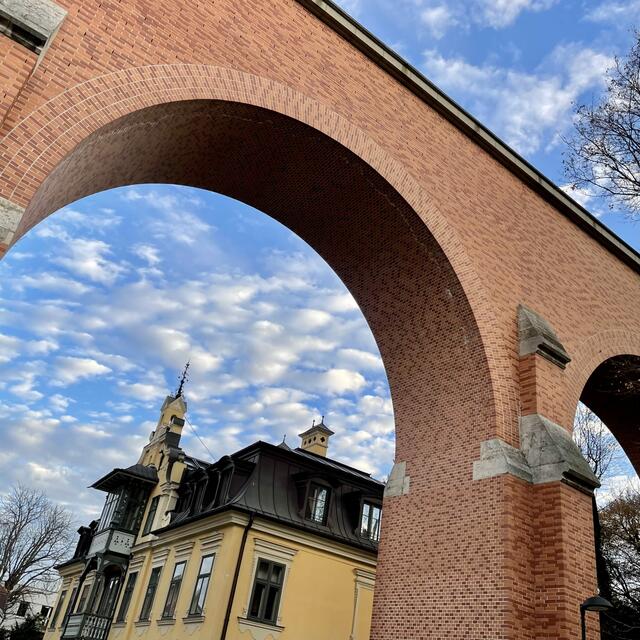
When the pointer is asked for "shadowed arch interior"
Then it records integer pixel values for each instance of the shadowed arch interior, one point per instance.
(613, 394)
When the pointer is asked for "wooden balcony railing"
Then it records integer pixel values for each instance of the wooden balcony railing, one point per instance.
(86, 626)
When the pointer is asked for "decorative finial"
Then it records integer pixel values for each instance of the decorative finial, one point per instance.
(183, 378)
(322, 420)
(313, 423)
(284, 439)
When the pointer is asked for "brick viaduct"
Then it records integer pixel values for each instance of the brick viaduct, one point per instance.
(496, 301)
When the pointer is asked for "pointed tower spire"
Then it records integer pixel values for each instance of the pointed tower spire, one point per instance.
(183, 379)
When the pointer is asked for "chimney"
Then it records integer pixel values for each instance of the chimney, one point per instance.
(316, 439)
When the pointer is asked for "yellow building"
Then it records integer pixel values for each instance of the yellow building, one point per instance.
(269, 543)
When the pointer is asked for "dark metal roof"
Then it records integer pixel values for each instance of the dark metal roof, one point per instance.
(272, 481)
(139, 472)
(334, 464)
(317, 427)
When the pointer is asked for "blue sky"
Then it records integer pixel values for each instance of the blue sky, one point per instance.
(97, 317)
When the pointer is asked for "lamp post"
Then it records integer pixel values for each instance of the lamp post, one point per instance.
(594, 603)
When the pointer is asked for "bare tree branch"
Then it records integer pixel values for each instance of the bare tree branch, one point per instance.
(603, 155)
(596, 443)
(34, 538)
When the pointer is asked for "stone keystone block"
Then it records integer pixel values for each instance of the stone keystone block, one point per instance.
(537, 336)
(553, 455)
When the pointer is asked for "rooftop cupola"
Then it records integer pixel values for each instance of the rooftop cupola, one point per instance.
(316, 439)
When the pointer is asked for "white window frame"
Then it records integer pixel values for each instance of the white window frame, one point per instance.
(267, 550)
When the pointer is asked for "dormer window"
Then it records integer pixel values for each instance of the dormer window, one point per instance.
(317, 503)
(370, 521)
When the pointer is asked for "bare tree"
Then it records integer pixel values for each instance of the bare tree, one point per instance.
(34, 537)
(598, 446)
(603, 155)
(620, 543)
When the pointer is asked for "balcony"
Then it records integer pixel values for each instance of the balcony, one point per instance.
(87, 626)
(112, 540)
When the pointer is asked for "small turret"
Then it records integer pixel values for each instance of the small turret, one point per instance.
(316, 438)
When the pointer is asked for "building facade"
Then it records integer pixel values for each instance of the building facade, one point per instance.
(34, 605)
(268, 543)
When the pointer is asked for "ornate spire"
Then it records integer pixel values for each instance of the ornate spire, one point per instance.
(183, 379)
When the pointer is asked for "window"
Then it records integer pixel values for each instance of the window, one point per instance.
(68, 611)
(151, 515)
(82, 603)
(56, 613)
(23, 609)
(109, 595)
(317, 503)
(370, 521)
(150, 593)
(44, 612)
(108, 511)
(126, 597)
(267, 588)
(202, 584)
(174, 590)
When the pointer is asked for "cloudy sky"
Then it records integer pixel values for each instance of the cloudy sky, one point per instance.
(98, 317)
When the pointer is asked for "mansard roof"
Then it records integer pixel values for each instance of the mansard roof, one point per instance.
(272, 482)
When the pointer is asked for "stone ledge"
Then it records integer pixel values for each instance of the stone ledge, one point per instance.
(40, 17)
(547, 454)
(398, 482)
(552, 454)
(497, 458)
(537, 336)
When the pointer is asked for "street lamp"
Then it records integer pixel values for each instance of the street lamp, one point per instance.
(594, 603)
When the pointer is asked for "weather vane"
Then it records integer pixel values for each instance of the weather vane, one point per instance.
(183, 378)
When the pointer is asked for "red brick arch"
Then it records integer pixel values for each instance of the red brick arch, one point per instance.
(64, 121)
(402, 261)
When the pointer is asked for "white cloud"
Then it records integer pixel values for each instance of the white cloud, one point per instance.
(9, 347)
(359, 359)
(148, 253)
(615, 485)
(438, 19)
(87, 258)
(617, 13)
(50, 282)
(178, 222)
(59, 402)
(41, 347)
(92, 431)
(340, 381)
(69, 370)
(528, 110)
(502, 13)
